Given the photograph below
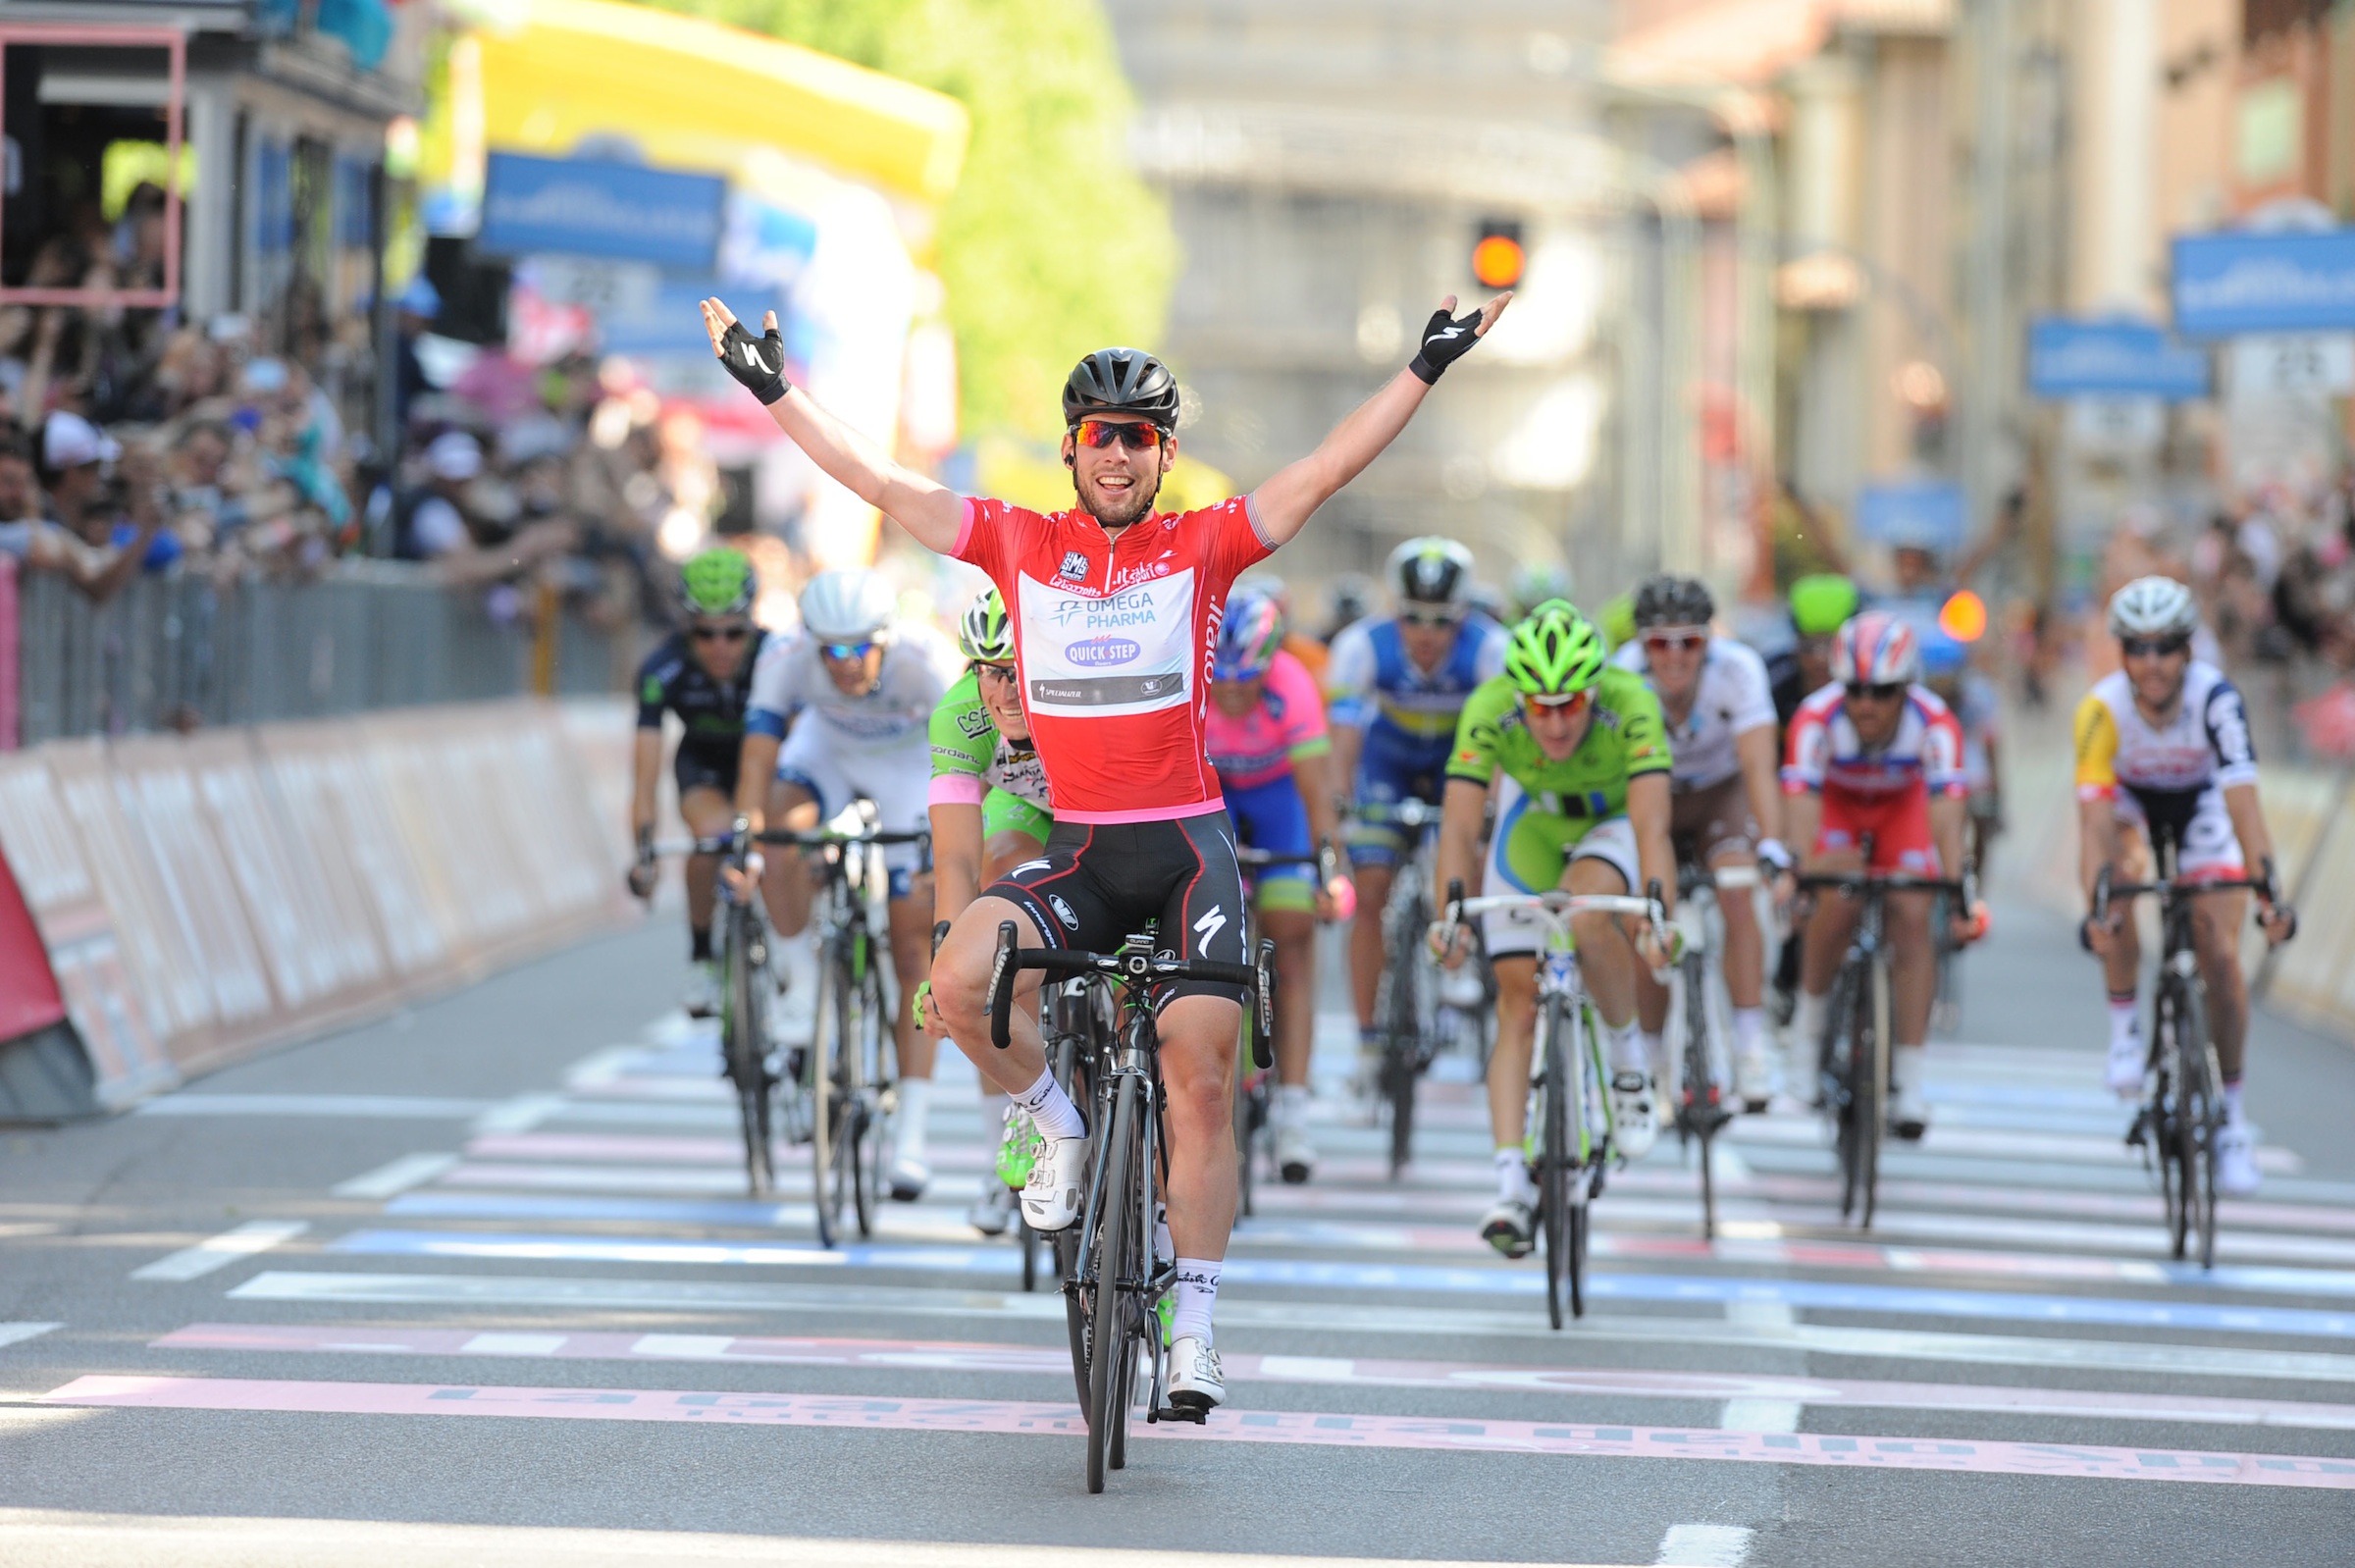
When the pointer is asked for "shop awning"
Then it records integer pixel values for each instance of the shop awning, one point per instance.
(694, 94)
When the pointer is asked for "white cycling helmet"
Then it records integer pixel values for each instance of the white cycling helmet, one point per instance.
(849, 606)
(1875, 649)
(2153, 606)
(1430, 570)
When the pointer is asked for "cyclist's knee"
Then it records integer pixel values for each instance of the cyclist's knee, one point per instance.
(1516, 988)
(1908, 918)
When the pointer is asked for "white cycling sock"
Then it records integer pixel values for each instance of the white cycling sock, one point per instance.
(916, 1099)
(1906, 1070)
(1197, 1293)
(1292, 1104)
(2232, 1104)
(1628, 1050)
(1051, 1109)
(1654, 1050)
(1808, 1021)
(1749, 1028)
(2125, 1022)
(1512, 1174)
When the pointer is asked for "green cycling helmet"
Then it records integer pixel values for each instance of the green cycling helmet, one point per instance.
(985, 636)
(718, 581)
(1555, 652)
(1820, 603)
(1617, 622)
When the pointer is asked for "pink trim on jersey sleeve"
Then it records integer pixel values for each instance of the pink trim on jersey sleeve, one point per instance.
(955, 789)
(964, 530)
(1289, 681)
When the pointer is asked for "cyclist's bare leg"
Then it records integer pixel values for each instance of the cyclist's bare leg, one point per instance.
(1606, 959)
(1912, 966)
(912, 961)
(960, 989)
(1651, 1001)
(1508, 1058)
(1198, 1071)
(1744, 957)
(787, 886)
(1365, 938)
(1830, 926)
(707, 814)
(1295, 933)
(2217, 919)
(1005, 849)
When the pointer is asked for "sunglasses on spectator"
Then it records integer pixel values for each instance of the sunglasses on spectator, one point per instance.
(2145, 646)
(846, 652)
(1568, 704)
(995, 672)
(1879, 692)
(720, 634)
(1429, 617)
(1100, 433)
(1675, 642)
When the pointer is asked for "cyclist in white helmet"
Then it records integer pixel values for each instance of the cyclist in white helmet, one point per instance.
(838, 714)
(2162, 747)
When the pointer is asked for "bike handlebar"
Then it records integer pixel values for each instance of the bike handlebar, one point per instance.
(1883, 882)
(1123, 969)
(820, 838)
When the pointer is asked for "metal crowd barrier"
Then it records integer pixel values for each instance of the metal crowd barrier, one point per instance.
(176, 652)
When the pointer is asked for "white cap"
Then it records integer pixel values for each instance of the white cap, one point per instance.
(454, 455)
(69, 440)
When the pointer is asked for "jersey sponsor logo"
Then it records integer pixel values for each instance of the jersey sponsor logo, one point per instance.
(974, 721)
(1074, 566)
(1111, 611)
(1028, 866)
(1212, 922)
(1062, 912)
(1140, 574)
(1094, 652)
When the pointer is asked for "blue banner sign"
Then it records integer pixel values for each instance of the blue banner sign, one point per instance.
(2091, 357)
(2228, 284)
(1912, 515)
(590, 207)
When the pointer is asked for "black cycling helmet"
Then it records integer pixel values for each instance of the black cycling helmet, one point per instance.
(1120, 380)
(1668, 601)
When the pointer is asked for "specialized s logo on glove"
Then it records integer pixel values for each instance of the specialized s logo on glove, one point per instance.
(1445, 339)
(758, 362)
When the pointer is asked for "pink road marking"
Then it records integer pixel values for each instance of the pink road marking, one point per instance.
(1362, 1372)
(1429, 1433)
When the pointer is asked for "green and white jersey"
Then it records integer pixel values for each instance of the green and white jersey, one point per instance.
(1626, 738)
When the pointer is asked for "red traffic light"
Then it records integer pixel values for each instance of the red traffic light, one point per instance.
(1496, 255)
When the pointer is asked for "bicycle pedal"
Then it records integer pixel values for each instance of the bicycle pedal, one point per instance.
(1173, 1413)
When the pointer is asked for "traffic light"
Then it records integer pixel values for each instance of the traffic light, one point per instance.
(1496, 256)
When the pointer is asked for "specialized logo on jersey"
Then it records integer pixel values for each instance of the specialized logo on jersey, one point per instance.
(1062, 912)
(975, 721)
(1074, 566)
(1028, 866)
(1212, 922)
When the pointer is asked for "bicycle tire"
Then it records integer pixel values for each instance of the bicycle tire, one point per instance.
(828, 1110)
(1700, 1096)
(2163, 1114)
(1554, 1159)
(1873, 1123)
(2201, 1116)
(1839, 1080)
(1402, 1029)
(740, 1047)
(873, 1023)
(1108, 1329)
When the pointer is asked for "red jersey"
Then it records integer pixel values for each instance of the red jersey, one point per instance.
(1826, 755)
(1114, 640)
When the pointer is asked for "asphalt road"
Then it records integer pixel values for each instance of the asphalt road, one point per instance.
(479, 1285)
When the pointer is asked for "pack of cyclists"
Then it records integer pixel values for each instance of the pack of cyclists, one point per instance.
(1124, 706)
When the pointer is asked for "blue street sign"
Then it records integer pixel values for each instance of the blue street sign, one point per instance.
(1912, 515)
(590, 207)
(2093, 357)
(2226, 283)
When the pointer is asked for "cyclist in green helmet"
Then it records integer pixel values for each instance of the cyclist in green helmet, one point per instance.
(1579, 757)
(990, 812)
(702, 673)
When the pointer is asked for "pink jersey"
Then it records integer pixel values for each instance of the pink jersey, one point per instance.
(1824, 753)
(1290, 721)
(1114, 640)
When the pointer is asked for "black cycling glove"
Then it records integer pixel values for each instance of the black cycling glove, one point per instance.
(1445, 339)
(758, 362)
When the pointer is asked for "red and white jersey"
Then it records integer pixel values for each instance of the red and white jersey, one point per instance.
(1113, 640)
(1825, 755)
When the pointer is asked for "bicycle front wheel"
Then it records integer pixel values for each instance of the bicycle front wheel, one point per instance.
(1554, 1098)
(1872, 1058)
(1700, 1097)
(1402, 1026)
(742, 1042)
(2199, 1117)
(1108, 1329)
(833, 1143)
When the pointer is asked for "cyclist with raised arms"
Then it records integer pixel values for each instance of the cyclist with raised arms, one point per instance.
(1876, 755)
(1579, 760)
(1395, 690)
(2164, 744)
(857, 693)
(1725, 800)
(1267, 738)
(1116, 610)
(990, 812)
(701, 673)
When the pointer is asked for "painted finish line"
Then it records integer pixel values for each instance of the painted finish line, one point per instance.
(1539, 1437)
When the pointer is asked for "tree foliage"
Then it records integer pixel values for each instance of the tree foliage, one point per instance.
(1052, 245)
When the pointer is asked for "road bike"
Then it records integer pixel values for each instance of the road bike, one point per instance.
(1853, 1057)
(1254, 1096)
(850, 1091)
(1702, 1094)
(1416, 1008)
(2184, 1106)
(1571, 1123)
(1116, 1277)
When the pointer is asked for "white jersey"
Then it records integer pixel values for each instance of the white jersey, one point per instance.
(1735, 696)
(790, 684)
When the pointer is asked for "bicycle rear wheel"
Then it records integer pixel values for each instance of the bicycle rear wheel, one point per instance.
(1107, 1327)
(1401, 1013)
(1554, 1158)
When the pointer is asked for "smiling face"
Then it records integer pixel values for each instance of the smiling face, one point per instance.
(1002, 695)
(1117, 482)
(1674, 654)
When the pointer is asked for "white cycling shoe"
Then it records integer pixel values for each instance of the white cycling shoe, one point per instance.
(1510, 1227)
(993, 1210)
(1908, 1110)
(1196, 1379)
(701, 999)
(1635, 1124)
(2236, 1173)
(1753, 1077)
(909, 1176)
(1296, 1156)
(2128, 1058)
(1050, 1197)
